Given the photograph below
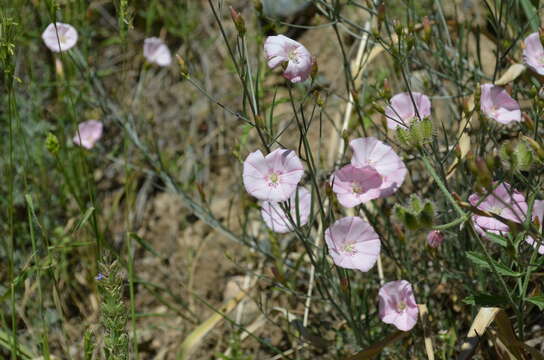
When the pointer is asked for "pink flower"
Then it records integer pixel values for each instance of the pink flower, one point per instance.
(538, 212)
(509, 204)
(497, 104)
(401, 111)
(274, 177)
(276, 219)
(89, 132)
(353, 243)
(59, 37)
(435, 238)
(374, 153)
(533, 53)
(398, 305)
(355, 186)
(280, 49)
(156, 51)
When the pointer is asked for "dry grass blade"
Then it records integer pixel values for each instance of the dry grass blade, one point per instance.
(377, 348)
(464, 137)
(192, 341)
(424, 316)
(484, 318)
(506, 338)
(511, 74)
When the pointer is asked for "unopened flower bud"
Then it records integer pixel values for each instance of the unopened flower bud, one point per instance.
(259, 122)
(277, 275)
(386, 89)
(537, 148)
(381, 15)
(426, 29)
(315, 68)
(182, 66)
(484, 176)
(435, 238)
(528, 121)
(258, 5)
(238, 21)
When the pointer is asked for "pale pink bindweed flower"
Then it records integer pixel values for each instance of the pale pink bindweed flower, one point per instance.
(156, 51)
(353, 243)
(381, 157)
(498, 105)
(59, 37)
(509, 204)
(533, 53)
(89, 132)
(435, 238)
(274, 177)
(275, 218)
(502, 201)
(398, 305)
(538, 213)
(401, 112)
(280, 49)
(354, 186)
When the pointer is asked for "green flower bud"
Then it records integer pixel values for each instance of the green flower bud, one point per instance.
(523, 157)
(52, 144)
(418, 215)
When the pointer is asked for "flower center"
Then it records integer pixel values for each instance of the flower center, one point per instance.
(292, 55)
(274, 179)
(495, 210)
(62, 38)
(349, 249)
(401, 306)
(357, 188)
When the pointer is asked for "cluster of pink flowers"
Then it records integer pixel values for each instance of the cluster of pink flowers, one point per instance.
(352, 242)
(510, 205)
(375, 171)
(60, 37)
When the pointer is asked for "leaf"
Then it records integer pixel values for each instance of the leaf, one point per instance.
(486, 300)
(479, 259)
(497, 239)
(531, 13)
(83, 220)
(537, 300)
(144, 244)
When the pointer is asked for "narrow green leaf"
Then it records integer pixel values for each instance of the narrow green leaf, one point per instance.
(486, 300)
(144, 244)
(497, 239)
(83, 220)
(531, 13)
(479, 259)
(537, 300)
